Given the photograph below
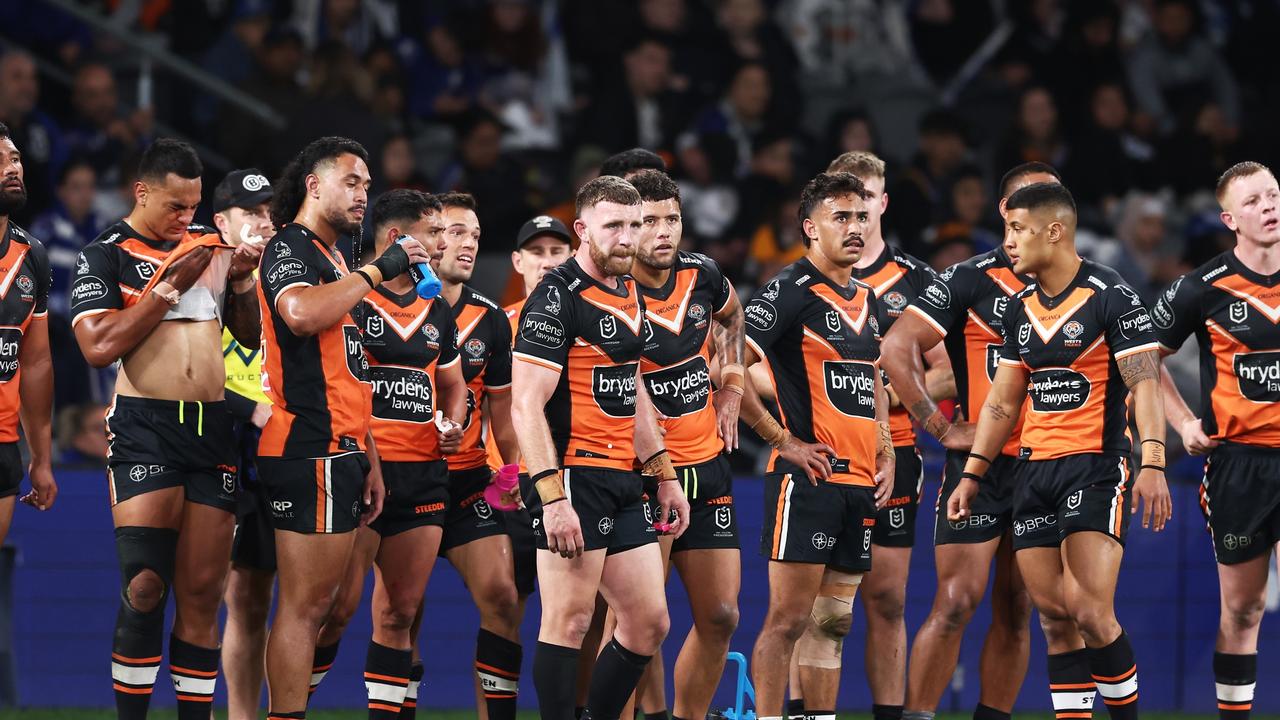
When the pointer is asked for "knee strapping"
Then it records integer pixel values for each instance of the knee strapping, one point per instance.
(141, 550)
(831, 619)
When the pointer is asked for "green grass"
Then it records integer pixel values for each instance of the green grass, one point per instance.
(220, 714)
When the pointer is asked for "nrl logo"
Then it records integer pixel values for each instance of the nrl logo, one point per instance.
(1239, 311)
(608, 327)
(145, 269)
(374, 326)
(1024, 334)
(833, 321)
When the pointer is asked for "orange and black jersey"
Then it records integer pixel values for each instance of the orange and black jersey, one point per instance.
(593, 336)
(677, 355)
(1235, 316)
(966, 304)
(1069, 345)
(24, 295)
(114, 271)
(407, 340)
(484, 345)
(897, 279)
(319, 384)
(822, 343)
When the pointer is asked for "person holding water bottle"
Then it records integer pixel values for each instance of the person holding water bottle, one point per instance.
(416, 377)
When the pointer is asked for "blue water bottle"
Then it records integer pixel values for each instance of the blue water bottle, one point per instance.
(424, 278)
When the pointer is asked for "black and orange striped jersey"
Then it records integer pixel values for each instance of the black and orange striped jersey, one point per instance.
(822, 343)
(495, 458)
(1235, 315)
(897, 279)
(677, 355)
(118, 268)
(593, 336)
(318, 384)
(24, 295)
(1069, 345)
(407, 339)
(966, 305)
(484, 345)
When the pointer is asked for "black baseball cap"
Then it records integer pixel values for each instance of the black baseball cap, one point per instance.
(542, 225)
(243, 189)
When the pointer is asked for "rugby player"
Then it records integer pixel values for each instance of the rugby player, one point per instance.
(1230, 304)
(153, 292)
(414, 368)
(26, 367)
(896, 279)
(579, 404)
(1078, 342)
(629, 162)
(242, 213)
(963, 312)
(692, 312)
(317, 455)
(475, 537)
(818, 329)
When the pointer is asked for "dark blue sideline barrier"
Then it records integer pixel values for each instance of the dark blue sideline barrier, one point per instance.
(66, 585)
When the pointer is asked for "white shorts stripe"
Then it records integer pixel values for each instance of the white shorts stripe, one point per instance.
(568, 494)
(1235, 693)
(1117, 501)
(384, 692)
(188, 685)
(1118, 690)
(786, 518)
(1064, 701)
(328, 493)
(134, 675)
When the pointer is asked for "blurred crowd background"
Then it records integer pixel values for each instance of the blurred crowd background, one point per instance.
(1139, 103)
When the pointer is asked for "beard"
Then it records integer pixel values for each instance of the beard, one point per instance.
(12, 201)
(610, 264)
(649, 260)
(453, 274)
(340, 220)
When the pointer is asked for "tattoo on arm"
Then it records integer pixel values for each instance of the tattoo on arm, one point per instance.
(728, 336)
(997, 411)
(1139, 367)
(922, 410)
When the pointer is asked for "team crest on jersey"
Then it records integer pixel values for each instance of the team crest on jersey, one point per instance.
(145, 269)
(475, 347)
(431, 332)
(1073, 330)
(553, 301)
(771, 291)
(1239, 311)
(608, 327)
(895, 300)
(1024, 333)
(25, 284)
(697, 312)
(374, 325)
(833, 321)
(875, 324)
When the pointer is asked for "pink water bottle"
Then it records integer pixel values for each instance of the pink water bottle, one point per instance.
(507, 477)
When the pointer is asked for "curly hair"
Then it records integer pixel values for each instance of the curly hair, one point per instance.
(291, 186)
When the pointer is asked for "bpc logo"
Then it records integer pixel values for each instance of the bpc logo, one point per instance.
(822, 541)
(138, 473)
(606, 525)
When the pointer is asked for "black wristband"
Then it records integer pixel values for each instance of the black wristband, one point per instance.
(392, 262)
(983, 458)
(1154, 440)
(1148, 466)
(366, 277)
(553, 502)
(544, 473)
(972, 476)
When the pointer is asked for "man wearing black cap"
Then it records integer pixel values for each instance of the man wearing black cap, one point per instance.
(242, 214)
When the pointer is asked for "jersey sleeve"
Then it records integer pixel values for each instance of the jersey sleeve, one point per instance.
(1177, 314)
(1128, 322)
(1010, 351)
(497, 372)
(288, 261)
(770, 313)
(547, 326)
(945, 297)
(43, 279)
(96, 286)
(717, 284)
(448, 334)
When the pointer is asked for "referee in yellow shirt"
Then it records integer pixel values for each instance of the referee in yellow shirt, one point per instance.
(241, 213)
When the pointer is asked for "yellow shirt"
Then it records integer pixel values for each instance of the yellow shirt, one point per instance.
(244, 368)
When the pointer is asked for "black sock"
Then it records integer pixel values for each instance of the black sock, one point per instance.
(498, 667)
(320, 664)
(386, 679)
(882, 712)
(555, 672)
(1071, 685)
(986, 712)
(1115, 672)
(660, 715)
(409, 709)
(135, 659)
(795, 708)
(194, 671)
(1235, 676)
(299, 715)
(615, 677)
